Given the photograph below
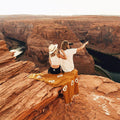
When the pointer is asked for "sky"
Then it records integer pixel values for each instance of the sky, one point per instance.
(60, 7)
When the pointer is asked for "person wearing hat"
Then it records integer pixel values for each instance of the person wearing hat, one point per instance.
(54, 59)
(68, 64)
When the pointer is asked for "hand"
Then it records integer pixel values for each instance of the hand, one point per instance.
(86, 43)
(61, 50)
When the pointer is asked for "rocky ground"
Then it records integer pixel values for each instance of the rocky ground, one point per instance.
(28, 99)
(23, 98)
(98, 99)
(20, 97)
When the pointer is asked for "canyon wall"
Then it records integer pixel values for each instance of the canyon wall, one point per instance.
(39, 34)
(102, 32)
(44, 34)
(27, 99)
(21, 97)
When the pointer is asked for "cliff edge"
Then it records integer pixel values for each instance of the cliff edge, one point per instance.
(27, 99)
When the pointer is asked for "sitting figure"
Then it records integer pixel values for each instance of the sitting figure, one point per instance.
(54, 59)
(68, 64)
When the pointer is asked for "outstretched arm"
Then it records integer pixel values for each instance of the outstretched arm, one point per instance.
(81, 47)
(63, 55)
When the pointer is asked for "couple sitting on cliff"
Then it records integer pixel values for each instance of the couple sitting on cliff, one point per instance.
(58, 59)
(62, 58)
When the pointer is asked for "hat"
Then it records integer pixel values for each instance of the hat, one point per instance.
(52, 48)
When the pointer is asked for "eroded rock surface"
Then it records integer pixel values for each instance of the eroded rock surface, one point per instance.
(44, 34)
(101, 31)
(92, 102)
(38, 34)
(18, 30)
(1, 36)
(6, 56)
(20, 97)
(27, 99)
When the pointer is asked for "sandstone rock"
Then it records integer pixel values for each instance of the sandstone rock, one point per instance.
(104, 37)
(1, 36)
(26, 99)
(6, 57)
(43, 34)
(101, 31)
(3, 46)
(8, 67)
(84, 63)
(90, 104)
(89, 82)
(38, 34)
(17, 30)
(108, 88)
(14, 69)
(22, 98)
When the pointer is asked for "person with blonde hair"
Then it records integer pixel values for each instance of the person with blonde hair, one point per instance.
(68, 64)
(54, 59)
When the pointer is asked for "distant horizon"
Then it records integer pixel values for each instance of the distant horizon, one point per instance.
(58, 15)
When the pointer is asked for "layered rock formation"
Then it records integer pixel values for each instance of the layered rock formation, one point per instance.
(1, 36)
(27, 99)
(44, 34)
(17, 30)
(20, 97)
(105, 37)
(39, 31)
(38, 35)
(101, 31)
(6, 56)
(23, 98)
(98, 99)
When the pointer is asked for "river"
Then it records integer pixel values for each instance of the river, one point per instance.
(108, 63)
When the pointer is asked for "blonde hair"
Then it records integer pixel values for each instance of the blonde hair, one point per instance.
(64, 44)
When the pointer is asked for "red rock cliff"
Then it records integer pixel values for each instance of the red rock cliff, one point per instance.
(45, 33)
(22, 98)
(39, 34)
(101, 31)
(28, 99)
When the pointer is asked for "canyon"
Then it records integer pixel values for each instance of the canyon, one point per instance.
(27, 99)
